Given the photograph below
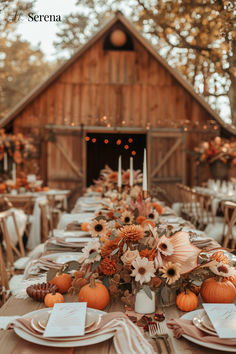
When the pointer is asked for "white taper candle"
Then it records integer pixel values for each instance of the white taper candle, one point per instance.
(5, 166)
(145, 171)
(131, 174)
(119, 173)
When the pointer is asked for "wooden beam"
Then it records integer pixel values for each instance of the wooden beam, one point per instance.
(166, 157)
(68, 159)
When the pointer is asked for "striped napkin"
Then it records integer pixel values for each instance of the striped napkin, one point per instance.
(128, 338)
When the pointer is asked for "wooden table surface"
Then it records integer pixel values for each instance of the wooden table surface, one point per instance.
(9, 341)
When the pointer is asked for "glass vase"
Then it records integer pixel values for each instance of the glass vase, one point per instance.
(166, 296)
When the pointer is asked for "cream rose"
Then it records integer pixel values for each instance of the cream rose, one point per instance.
(129, 256)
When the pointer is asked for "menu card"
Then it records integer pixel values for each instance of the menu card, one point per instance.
(223, 318)
(67, 319)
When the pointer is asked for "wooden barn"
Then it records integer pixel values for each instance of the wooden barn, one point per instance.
(116, 95)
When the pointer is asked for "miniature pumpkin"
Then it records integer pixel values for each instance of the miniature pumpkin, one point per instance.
(84, 226)
(187, 301)
(53, 298)
(95, 294)
(218, 290)
(63, 282)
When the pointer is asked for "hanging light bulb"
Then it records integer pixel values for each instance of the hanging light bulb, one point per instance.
(94, 140)
(118, 142)
(106, 141)
(87, 138)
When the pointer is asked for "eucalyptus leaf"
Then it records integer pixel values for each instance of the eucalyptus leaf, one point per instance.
(106, 282)
(163, 232)
(100, 217)
(51, 274)
(125, 247)
(120, 222)
(114, 251)
(95, 265)
(93, 255)
(116, 214)
(147, 291)
(72, 265)
(88, 275)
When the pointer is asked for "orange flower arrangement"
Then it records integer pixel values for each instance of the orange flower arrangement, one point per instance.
(220, 257)
(108, 266)
(140, 219)
(131, 233)
(148, 222)
(158, 208)
(109, 246)
(150, 254)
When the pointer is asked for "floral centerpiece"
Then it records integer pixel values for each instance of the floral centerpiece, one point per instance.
(219, 154)
(132, 251)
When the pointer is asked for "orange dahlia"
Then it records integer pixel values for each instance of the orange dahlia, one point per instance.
(113, 176)
(109, 246)
(108, 266)
(131, 232)
(149, 254)
(148, 222)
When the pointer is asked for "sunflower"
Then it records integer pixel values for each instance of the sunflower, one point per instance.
(223, 270)
(143, 270)
(98, 228)
(108, 266)
(90, 248)
(127, 217)
(131, 233)
(165, 246)
(171, 272)
(153, 215)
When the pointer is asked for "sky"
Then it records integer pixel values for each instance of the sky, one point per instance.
(45, 32)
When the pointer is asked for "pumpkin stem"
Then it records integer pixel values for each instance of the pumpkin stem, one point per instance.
(92, 280)
(53, 291)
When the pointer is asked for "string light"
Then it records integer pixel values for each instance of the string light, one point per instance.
(106, 141)
(133, 153)
(118, 142)
(87, 138)
(94, 140)
(126, 147)
(130, 140)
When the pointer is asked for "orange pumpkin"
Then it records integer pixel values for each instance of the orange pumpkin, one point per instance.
(140, 219)
(158, 208)
(3, 187)
(84, 226)
(217, 290)
(63, 282)
(187, 301)
(53, 298)
(95, 294)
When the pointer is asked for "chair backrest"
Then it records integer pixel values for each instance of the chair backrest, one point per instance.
(10, 247)
(4, 288)
(229, 220)
(43, 205)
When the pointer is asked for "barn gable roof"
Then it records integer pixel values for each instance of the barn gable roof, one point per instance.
(131, 28)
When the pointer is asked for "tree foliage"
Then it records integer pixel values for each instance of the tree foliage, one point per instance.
(195, 36)
(21, 67)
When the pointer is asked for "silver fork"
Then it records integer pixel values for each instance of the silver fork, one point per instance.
(162, 332)
(153, 333)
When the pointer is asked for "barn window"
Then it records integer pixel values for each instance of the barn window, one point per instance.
(118, 39)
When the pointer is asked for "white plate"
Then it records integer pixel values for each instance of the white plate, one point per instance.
(223, 348)
(63, 257)
(63, 233)
(65, 344)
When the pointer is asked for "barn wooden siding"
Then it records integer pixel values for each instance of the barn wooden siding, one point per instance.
(132, 89)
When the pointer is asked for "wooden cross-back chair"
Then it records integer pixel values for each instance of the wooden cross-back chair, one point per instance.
(4, 286)
(204, 207)
(10, 247)
(229, 220)
(45, 222)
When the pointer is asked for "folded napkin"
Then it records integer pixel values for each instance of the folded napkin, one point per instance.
(127, 336)
(181, 326)
(205, 242)
(5, 320)
(73, 226)
(35, 266)
(63, 246)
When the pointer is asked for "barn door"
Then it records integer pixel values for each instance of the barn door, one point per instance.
(65, 162)
(166, 157)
